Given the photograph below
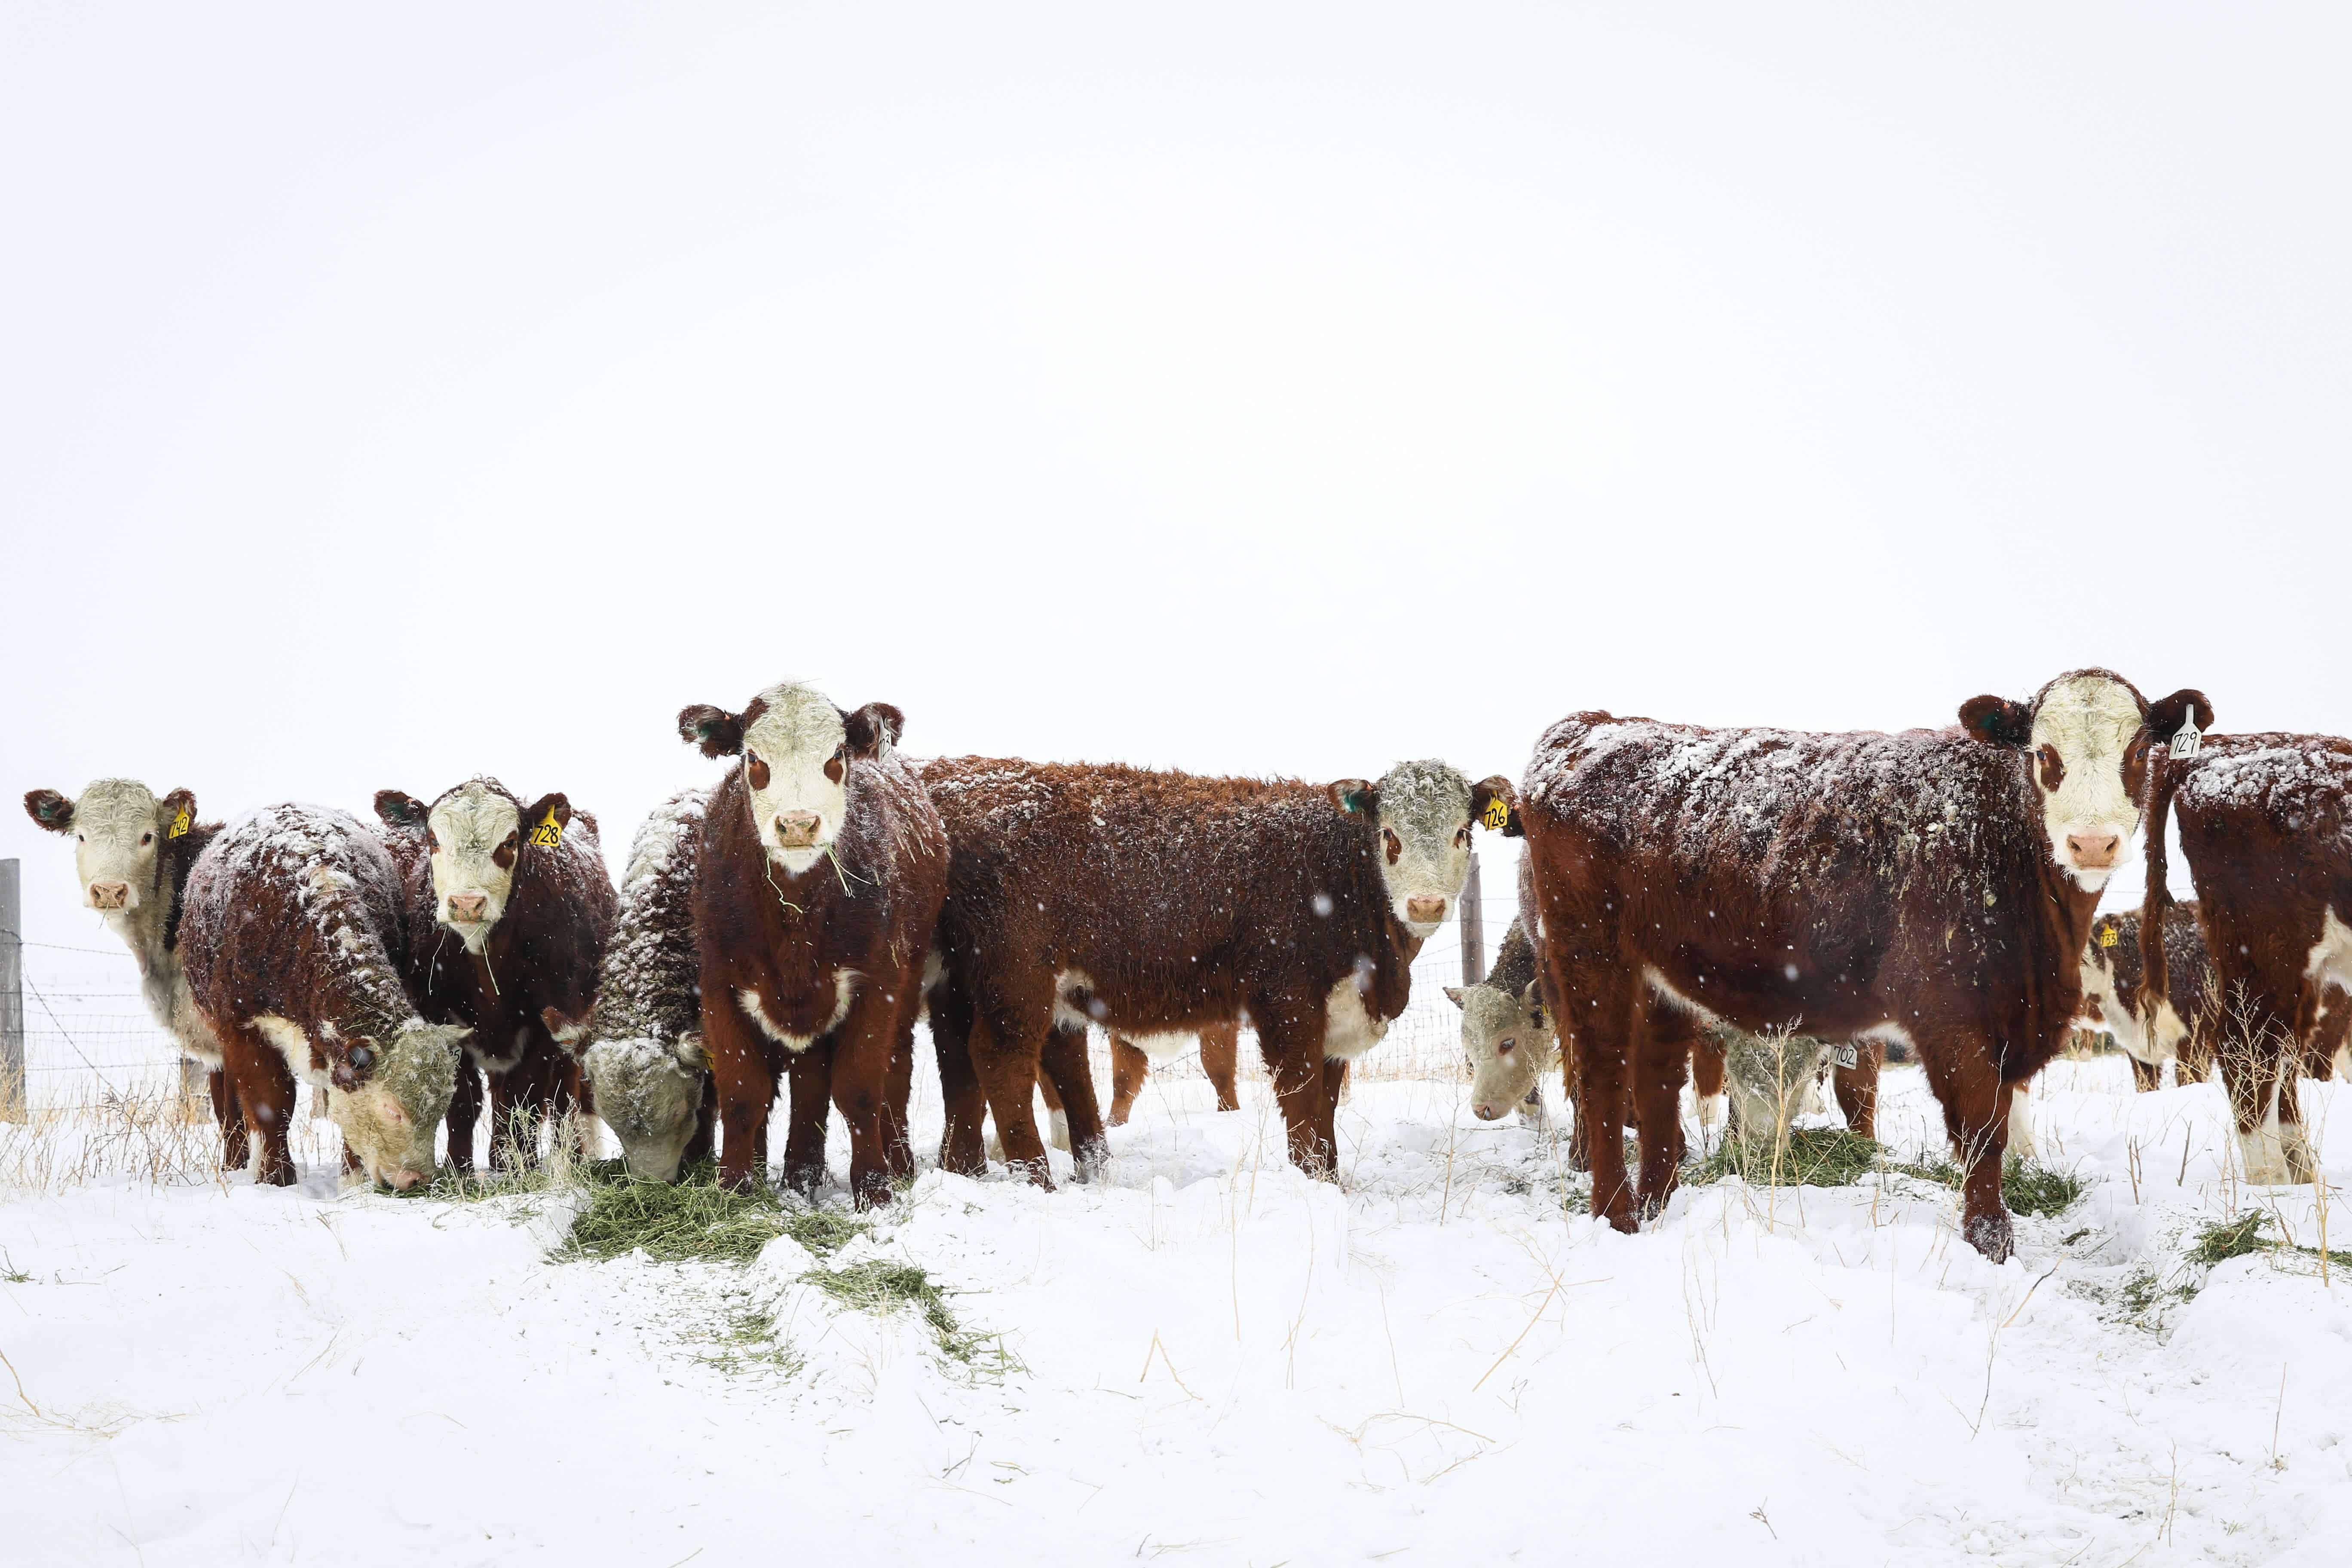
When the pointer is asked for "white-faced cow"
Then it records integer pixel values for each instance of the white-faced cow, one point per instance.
(643, 1043)
(822, 868)
(294, 942)
(131, 856)
(2182, 1029)
(508, 907)
(2266, 826)
(1930, 887)
(1162, 904)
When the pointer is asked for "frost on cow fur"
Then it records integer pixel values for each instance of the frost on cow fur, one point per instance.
(295, 914)
(645, 1052)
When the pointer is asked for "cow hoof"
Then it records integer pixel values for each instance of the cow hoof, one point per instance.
(1040, 1174)
(1994, 1235)
(1090, 1161)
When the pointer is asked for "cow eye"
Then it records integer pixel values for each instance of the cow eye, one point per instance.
(145, 839)
(1505, 1048)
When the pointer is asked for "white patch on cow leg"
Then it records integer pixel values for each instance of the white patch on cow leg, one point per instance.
(2021, 1124)
(2295, 1148)
(1712, 1110)
(1060, 1134)
(2263, 1152)
(2331, 955)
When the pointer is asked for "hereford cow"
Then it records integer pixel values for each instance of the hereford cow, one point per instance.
(508, 907)
(643, 1045)
(2112, 973)
(2266, 824)
(1508, 1039)
(1159, 903)
(295, 945)
(132, 853)
(823, 864)
(1931, 887)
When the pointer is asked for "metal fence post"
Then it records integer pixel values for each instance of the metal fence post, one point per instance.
(1473, 927)
(13, 1097)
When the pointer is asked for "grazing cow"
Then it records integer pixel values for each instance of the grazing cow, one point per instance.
(1159, 904)
(1934, 887)
(132, 852)
(295, 947)
(2266, 824)
(2112, 973)
(1508, 1039)
(643, 1041)
(524, 893)
(823, 864)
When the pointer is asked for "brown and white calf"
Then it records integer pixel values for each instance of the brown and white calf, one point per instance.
(1932, 886)
(131, 856)
(1163, 903)
(822, 868)
(2266, 826)
(294, 940)
(508, 907)
(643, 1047)
(2182, 1029)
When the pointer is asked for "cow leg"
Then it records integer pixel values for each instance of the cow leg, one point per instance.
(861, 1049)
(465, 1110)
(237, 1150)
(1662, 1054)
(2258, 1045)
(1070, 1079)
(899, 1148)
(504, 1131)
(1604, 1029)
(1006, 1041)
(1706, 1081)
(1221, 1054)
(811, 1076)
(2146, 1076)
(1857, 1088)
(1057, 1118)
(1291, 1039)
(1334, 1084)
(1976, 1106)
(264, 1087)
(962, 1143)
(705, 1141)
(1130, 1069)
(746, 1082)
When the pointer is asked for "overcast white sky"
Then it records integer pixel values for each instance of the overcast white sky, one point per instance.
(393, 393)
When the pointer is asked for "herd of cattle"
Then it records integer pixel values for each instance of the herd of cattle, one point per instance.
(1683, 890)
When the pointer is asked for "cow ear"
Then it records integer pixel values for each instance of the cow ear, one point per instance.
(394, 809)
(1998, 721)
(1355, 796)
(1454, 994)
(557, 806)
(176, 813)
(51, 809)
(1532, 997)
(873, 727)
(1494, 804)
(2165, 714)
(719, 732)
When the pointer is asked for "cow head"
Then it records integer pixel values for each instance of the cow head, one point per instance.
(2089, 738)
(478, 833)
(649, 1092)
(796, 748)
(388, 1098)
(120, 830)
(1422, 813)
(1507, 1040)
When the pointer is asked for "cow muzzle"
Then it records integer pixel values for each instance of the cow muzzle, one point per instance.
(110, 895)
(468, 908)
(1485, 1112)
(2094, 851)
(1425, 908)
(797, 829)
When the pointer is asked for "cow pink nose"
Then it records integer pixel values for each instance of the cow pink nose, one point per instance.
(401, 1181)
(2094, 851)
(468, 906)
(797, 829)
(1425, 908)
(1486, 1112)
(109, 895)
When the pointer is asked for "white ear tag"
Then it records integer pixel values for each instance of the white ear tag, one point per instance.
(2186, 740)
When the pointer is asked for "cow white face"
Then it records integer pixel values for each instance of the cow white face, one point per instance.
(649, 1092)
(796, 763)
(118, 829)
(476, 834)
(1507, 1042)
(2087, 736)
(1424, 813)
(388, 1118)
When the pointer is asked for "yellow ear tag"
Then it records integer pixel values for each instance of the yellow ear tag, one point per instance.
(549, 833)
(179, 824)
(1498, 814)
(2108, 937)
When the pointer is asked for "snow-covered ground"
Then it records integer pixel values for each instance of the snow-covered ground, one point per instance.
(1213, 1361)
